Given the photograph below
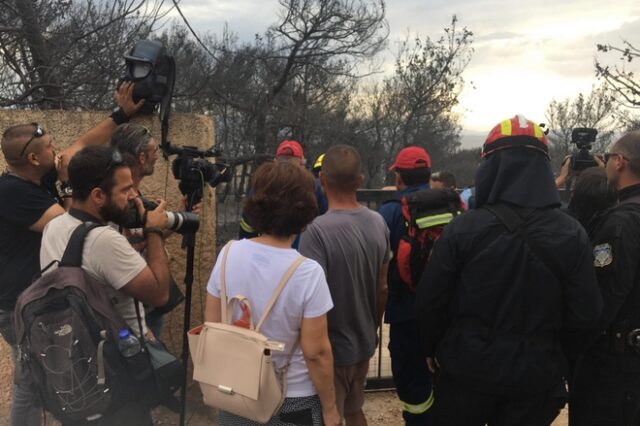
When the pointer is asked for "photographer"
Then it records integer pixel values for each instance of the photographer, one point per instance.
(102, 191)
(29, 200)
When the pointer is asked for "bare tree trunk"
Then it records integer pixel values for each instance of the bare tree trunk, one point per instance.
(46, 75)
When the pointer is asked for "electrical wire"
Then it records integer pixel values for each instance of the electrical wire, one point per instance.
(175, 3)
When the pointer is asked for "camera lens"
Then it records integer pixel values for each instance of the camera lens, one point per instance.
(183, 222)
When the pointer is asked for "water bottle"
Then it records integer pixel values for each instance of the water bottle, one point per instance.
(129, 344)
(138, 362)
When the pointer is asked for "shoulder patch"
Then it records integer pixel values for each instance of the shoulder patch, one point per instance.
(602, 255)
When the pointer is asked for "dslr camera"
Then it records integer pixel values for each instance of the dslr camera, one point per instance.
(583, 138)
(180, 222)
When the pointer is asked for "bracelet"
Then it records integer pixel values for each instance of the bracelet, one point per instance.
(152, 230)
(119, 116)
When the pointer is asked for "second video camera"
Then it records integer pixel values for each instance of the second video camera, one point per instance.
(583, 138)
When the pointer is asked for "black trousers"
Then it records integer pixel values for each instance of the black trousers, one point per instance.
(456, 405)
(603, 394)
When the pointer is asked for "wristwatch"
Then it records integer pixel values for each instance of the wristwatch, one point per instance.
(119, 116)
(66, 189)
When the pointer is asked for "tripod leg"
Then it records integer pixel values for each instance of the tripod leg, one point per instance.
(188, 284)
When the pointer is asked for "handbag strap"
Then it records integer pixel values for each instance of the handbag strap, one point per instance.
(223, 287)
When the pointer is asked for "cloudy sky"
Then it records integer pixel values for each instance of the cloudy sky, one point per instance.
(526, 53)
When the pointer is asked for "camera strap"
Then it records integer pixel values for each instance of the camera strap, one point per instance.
(515, 223)
(631, 200)
(83, 216)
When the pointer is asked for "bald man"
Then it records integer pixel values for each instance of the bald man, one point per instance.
(29, 200)
(351, 243)
(606, 384)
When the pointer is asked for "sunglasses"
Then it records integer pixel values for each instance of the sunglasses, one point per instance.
(37, 133)
(608, 155)
(116, 161)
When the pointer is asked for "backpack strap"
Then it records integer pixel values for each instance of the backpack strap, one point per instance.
(73, 253)
(285, 279)
(225, 318)
(223, 285)
(515, 223)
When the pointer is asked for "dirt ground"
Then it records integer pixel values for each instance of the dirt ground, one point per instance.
(381, 408)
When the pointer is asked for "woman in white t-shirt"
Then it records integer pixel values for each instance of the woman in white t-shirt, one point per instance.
(282, 204)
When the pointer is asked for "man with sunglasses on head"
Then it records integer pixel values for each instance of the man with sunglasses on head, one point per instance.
(606, 384)
(29, 200)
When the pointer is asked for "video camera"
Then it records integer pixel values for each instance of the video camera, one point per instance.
(583, 138)
(153, 73)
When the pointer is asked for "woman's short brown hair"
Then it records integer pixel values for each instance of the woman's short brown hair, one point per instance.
(283, 201)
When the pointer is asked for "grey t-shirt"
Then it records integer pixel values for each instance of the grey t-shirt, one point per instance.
(351, 246)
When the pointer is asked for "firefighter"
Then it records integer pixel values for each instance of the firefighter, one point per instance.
(504, 283)
(412, 169)
(606, 386)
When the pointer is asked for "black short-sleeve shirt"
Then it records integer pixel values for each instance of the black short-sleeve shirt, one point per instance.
(22, 203)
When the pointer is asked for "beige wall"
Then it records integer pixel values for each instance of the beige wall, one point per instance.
(185, 129)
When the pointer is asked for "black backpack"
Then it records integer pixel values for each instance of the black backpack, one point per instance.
(425, 213)
(67, 334)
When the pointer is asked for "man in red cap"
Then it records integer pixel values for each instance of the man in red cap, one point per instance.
(412, 170)
(506, 285)
(291, 151)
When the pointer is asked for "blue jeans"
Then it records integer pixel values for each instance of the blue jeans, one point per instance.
(24, 412)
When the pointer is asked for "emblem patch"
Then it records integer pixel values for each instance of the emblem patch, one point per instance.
(602, 255)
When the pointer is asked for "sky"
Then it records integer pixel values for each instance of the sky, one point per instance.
(525, 53)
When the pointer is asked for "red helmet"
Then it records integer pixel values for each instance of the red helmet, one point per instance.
(516, 132)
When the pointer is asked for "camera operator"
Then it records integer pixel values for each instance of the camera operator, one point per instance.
(29, 200)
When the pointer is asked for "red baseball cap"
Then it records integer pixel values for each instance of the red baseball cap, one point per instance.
(412, 157)
(290, 147)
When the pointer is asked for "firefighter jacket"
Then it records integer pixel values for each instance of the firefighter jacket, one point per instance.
(493, 314)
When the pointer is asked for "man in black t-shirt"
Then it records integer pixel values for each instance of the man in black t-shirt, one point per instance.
(29, 200)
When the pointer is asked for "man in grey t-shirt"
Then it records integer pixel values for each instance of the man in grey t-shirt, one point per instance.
(351, 243)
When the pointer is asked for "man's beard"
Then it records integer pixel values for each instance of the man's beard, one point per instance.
(111, 213)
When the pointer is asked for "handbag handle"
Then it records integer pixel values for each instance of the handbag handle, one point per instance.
(242, 300)
(223, 287)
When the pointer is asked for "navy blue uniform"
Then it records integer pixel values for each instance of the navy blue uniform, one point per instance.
(606, 385)
(410, 372)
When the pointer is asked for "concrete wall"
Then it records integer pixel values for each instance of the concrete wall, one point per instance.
(185, 129)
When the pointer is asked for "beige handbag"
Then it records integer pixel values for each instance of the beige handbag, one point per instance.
(233, 364)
